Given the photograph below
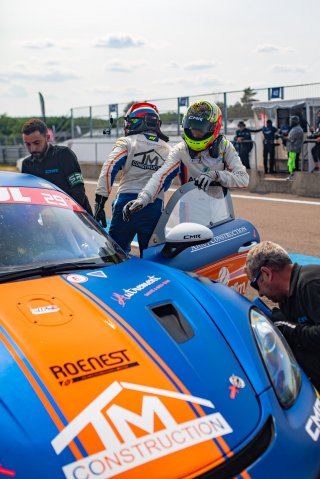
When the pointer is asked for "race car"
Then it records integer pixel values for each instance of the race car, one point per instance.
(112, 366)
(223, 257)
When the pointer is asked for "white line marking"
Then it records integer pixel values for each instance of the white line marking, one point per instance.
(280, 200)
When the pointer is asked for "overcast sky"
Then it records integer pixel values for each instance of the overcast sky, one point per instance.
(99, 52)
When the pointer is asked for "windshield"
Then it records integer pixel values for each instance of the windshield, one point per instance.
(35, 235)
(196, 206)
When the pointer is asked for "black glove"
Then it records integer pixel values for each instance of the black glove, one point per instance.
(207, 179)
(99, 214)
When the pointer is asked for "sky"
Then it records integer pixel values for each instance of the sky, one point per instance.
(100, 52)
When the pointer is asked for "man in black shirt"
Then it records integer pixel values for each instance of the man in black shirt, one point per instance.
(296, 289)
(270, 133)
(57, 164)
(243, 143)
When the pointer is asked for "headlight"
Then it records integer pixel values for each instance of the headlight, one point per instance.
(281, 365)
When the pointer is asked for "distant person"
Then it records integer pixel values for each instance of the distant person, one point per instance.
(204, 156)
(294, 145)
(270, 134)
(284, 132)
(137, 155)
(244, 143)
(296, 289)
(55, 163)
(315, 151)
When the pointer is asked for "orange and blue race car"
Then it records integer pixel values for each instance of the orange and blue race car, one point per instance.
(112, 366)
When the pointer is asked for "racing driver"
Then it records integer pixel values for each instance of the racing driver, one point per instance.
(138, 154)
(204, 156)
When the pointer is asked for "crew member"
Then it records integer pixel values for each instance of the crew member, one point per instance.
(270, 133)
(54, 163)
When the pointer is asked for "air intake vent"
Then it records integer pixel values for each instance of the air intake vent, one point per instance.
(173, 322)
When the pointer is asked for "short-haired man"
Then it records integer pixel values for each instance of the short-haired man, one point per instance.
(296, 289)
(270, 133)
(55, 163)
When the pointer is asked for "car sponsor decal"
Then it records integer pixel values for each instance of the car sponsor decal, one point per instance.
(97, 274)
(37, 196)
(45, 309)
(224, 275)
(76, 278)
(237, 383)
(87, 368)
(128, 293)
(222, 238)
(229, 271)
(6, 472)
(119, 427)
(313, 424)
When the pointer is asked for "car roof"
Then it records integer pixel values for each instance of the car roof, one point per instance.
(10, 178)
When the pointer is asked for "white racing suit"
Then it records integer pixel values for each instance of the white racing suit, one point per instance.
(232, 173)
(137, 157)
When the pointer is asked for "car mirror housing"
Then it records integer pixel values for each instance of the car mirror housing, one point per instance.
(183, 236)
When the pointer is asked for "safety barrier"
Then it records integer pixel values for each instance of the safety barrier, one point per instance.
(88, 120)
(10, 154)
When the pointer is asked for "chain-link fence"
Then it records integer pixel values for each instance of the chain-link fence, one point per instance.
(90, 121)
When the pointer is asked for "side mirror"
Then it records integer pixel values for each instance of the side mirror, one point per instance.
(107, 131)
(183, 236)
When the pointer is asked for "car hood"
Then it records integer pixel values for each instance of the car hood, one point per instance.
(110, 370)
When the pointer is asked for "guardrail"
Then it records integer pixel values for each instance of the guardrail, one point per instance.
(10, 154)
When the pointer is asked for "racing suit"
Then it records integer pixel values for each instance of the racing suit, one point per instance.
(231, 172)
(298, 318)
(138, 156)
(294, 146)
(60, 166)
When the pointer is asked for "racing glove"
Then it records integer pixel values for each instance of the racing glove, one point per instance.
(99, 213)
(134, 206)
(210, 178)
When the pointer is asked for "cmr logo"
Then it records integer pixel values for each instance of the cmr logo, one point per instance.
(313, 424)
(116, 427)
(192, 237)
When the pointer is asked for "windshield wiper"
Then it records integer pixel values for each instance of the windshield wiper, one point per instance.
(49, 269)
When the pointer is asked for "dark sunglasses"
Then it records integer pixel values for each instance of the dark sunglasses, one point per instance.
(254, 282)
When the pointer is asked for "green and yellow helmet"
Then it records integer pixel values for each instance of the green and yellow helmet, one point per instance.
(202, 116)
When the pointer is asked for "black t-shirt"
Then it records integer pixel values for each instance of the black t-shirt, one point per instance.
(61, 167)
(269, 133)
(245, 134)
(303, 306)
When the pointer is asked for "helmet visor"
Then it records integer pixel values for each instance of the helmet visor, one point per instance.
(193, 122)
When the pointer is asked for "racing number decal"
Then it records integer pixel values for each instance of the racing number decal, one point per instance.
(37, 196)
(55, 200)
